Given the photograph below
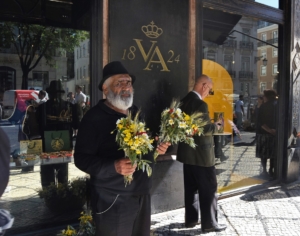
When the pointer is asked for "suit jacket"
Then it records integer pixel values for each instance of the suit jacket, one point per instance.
(203, 154)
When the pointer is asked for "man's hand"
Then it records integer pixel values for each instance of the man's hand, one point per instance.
(123, 166)
(162, 148)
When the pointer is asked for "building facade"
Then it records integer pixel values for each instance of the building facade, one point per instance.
(244, 46)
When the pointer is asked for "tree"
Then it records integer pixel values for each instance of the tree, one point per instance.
(33, 42)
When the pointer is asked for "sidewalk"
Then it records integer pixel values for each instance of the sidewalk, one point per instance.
(274, 211)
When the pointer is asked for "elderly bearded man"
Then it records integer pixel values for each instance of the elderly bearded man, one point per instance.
(117, 210)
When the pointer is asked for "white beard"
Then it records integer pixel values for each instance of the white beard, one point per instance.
(122, 103)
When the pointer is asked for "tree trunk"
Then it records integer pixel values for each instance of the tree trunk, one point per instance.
(25, 80)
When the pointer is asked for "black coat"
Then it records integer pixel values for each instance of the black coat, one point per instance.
(203, 154)
(96, 150)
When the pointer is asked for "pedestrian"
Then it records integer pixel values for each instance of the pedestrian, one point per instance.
(80, 97)
(80, 101)
(71, 97)
(42, 97)
(265, 136)
(117, 210)
(239, 111)
(200, 181)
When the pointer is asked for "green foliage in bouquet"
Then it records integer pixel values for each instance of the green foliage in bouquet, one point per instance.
(132, 137)
(176, 126)
(65, 196)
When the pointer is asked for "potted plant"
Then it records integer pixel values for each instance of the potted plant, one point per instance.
(86, 226)
(61, 197)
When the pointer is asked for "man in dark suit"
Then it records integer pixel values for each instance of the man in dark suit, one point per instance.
(200, 182)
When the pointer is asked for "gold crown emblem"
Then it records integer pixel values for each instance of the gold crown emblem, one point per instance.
(152, 31)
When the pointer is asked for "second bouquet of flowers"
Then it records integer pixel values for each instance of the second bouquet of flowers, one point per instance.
(177, 126)
(134, 140)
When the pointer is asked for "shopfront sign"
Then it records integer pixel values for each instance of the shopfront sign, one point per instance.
(151, 41)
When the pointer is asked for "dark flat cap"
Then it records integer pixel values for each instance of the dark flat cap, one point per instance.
(114, 68)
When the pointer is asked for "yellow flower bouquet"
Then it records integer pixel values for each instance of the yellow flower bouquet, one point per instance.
(134, 140)
(176, 126)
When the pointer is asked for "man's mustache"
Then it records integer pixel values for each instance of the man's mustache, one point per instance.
(125, 92)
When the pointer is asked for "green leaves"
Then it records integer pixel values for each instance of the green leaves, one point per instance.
(132, 137)
(176, 126)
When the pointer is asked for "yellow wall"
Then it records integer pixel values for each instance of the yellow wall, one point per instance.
(221, 101)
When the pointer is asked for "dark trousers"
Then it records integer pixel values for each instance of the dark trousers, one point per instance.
(121, 215)
(200, 186)
(48, 173)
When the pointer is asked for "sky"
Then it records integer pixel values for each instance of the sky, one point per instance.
(271, 3)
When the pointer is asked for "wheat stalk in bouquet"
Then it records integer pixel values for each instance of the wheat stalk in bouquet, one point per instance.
(134, 140)
(177, 126)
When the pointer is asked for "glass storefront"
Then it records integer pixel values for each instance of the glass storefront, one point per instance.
(32, 59)
(242, 65)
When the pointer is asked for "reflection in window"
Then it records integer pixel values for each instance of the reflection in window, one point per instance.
(263, 70)
(263, 86)
(251, 80)
(275, 52)
(274, 69)
(211, 55)
(244, 37)
(228, 59)
(39, 81)
(245, 64)
(264, 53)
(38, 56)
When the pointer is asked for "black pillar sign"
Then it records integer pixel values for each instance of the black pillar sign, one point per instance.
(150, 38)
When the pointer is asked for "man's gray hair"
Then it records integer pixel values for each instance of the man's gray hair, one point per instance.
(203, 79)
(107, 82)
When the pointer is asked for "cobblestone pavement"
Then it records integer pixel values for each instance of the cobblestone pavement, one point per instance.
(274, 211)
